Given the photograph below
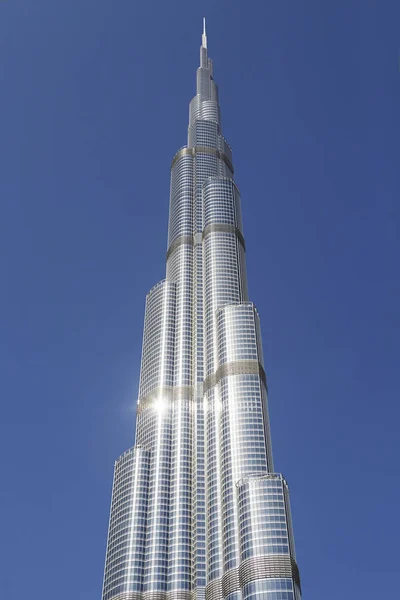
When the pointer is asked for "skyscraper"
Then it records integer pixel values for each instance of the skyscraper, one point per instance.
(197, 510)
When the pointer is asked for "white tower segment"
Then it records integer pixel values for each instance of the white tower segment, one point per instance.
(197, 511)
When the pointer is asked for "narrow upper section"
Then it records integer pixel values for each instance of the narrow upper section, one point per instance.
(204, 36)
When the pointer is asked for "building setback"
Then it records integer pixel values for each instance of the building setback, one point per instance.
(197, 510)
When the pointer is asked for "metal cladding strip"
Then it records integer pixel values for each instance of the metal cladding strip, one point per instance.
(266, 567)
(197, 239)
(146, 401)
(128, 596)
(183, 392)
(198, 594)
(155, 596)
(240, 367)
(202, 150)
(171, 595)
(182, 239)
(168, 392)
(179, 595)
(189, 240)
(214, 590)
(226, 228)
(231, 581)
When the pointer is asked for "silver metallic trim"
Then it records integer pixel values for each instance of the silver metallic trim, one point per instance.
(266, 476)
(202, 150)
(197, 238)
(128, 596)
(171, 595)
(231, 581)
(179, 241)
(214, 590)
(179, 595)
(226, 228)
(146, 401)
(183, 392)
(154, 596)
(265, 567)
(239, 367)
(168, 393)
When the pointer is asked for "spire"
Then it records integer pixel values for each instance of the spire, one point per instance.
(204, 36)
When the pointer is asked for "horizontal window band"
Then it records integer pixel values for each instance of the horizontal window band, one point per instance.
(224, 228)
(179, 241)
(256, 478)
(170, 595)
(268, 567)
(202, 150)
(192, 240)
(239, 367)
(168, 393)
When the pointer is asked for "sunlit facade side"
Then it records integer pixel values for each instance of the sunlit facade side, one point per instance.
(197, 511)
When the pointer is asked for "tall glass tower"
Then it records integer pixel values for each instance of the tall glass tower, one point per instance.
(197, 510)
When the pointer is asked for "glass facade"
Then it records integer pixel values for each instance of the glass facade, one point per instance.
(197, 511)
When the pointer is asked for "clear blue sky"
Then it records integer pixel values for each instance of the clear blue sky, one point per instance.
(94, 104)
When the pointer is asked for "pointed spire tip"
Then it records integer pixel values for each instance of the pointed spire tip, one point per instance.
(204, 36)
